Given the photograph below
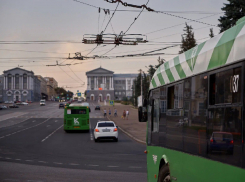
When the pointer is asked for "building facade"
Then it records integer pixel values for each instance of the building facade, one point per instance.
(1, 88)
(123, 85)
(103, 85)
(44, 94)
(100, 85)
(52, 84)
(20, 85)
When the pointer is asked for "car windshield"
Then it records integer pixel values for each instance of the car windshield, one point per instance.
(106, 125)
(222, 136)
(78, 111)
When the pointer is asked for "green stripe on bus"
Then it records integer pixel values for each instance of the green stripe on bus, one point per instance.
(168, 72)
(153, 82)
(159, 75)
(190, 58)
(179, 68)
(223, 48)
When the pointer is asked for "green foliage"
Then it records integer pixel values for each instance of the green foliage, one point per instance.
(188, 40)
(151, 69)
(234, 10)
(211, 33)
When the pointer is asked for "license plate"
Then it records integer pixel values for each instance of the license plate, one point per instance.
(106, 130)
(76, 127)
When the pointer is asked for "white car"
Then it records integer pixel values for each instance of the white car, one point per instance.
(105, 130)
(24, 103)
(3, 107)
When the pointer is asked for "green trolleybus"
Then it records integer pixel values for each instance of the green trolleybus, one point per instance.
(195, 113)
(76, 117)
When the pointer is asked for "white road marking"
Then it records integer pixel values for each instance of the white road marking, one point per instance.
(93, 165)
(25, 129)
(7, 158)
(34, 121)
(112, 166)
(73, 164)
(42, 161)
(29, 160)
(91, 134)
(48, 125)
(18, 159)
(56, 121)
(58, 163)
(51, 133)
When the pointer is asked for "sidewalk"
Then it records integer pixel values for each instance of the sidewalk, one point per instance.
(131, 127)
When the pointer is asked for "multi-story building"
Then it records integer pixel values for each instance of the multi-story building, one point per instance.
(1, 88)
(52, 84)
(100, 85)
(20, 85)
(44, 94)
(123, 84)
(103, 85)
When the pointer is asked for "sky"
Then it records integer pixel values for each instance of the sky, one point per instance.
(66, 21)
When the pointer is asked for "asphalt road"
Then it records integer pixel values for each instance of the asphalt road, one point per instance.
(34, 147)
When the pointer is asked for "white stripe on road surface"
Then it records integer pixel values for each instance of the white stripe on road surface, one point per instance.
(51, 133)
(93, 165)
(57, 163)
(25, 129)
(74, 164)
(112, 166)
(91, 134)
(42, 162)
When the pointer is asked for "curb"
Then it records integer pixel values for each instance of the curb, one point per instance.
(131, 136)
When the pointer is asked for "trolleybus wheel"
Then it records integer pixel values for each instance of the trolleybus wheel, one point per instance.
(164, 174)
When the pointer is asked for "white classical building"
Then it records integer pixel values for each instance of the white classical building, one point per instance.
(20, 85)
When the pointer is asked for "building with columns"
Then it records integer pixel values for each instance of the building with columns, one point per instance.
(103, 85)
(100, 85)
(20, 85)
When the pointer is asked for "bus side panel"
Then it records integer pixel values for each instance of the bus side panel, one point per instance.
(186, 167)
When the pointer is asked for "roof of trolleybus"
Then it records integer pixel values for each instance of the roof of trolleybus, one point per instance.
(223, 49)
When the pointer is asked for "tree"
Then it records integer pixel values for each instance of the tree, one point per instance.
(211, 33)
(188, 40)
(234, 10)
(151, 69)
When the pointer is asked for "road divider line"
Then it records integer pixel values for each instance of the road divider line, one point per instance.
(24, 129)
(135, 167)
(58, 163)
(29, 160)
(112, 166)
(14, 124)
(18, 159)
(51, 133)
(74, 164)
(93, 165)
(7, 158)
(91, 134)
(42, 162)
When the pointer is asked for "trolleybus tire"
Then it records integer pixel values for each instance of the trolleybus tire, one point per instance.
(164, 174)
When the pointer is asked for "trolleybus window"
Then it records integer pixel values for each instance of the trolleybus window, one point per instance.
(78, 111)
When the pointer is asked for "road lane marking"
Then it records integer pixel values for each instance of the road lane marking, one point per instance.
(48, 125)
(91, 135)
(112, 166)
(93, 165)
(56, 121)
(51, 133)
(42, 162)
(58, 163)
(34, 121)
(24, 129)
(73, 164)
(7, 158)
(29, 160)
(18, 159)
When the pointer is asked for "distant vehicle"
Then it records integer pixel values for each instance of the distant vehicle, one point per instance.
(97, 108)
(76, 117)
(86, 104)
(79, 100)
(105, 130)
(61, 105)
(6, 102)
(221, 142)
(13, 106)
(42, 102)
(24, 103)
(3, 107)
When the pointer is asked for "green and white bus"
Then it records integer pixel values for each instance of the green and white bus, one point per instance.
(76, 117)
(195, 113)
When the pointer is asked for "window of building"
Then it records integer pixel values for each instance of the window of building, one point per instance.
(24, 81)
(9, 81)
(17, 81)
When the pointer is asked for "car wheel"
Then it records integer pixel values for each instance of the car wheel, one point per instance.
(96, 140)
(116, 139)
(164, 174)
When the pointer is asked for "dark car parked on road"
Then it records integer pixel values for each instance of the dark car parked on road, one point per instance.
(61, 105)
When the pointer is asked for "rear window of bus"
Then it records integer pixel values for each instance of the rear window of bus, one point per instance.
(78, 111)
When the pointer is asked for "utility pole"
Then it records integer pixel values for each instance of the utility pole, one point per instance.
(141, 85)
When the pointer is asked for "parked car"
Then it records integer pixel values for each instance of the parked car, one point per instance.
(24, 103)
(3, 107)
(6, 102)
(105, 130)
(221, 142)
(13, 106)
(29, 101)
(97, 108)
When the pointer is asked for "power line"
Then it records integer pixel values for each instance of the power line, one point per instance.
(67, 74)
(109, 51)
(76, 74)
(135, 19)
(92, 50)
